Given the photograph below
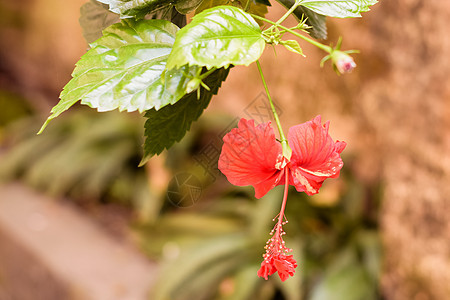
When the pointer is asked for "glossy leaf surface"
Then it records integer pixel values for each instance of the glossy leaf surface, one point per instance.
(218, 37)
(316, 21)
(123, 70)
(253, 8)
(140, 8)
(339, 8)
(169, 124)
(135, 8)
(292, 45)
(186, 6)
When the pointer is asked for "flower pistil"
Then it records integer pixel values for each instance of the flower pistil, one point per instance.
(277, 258)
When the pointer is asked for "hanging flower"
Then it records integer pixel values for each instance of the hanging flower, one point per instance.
(252, 156)
(277, 258)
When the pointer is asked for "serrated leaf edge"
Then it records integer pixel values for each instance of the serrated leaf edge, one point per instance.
(225, 65)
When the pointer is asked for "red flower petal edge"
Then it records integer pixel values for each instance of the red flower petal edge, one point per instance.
(283, 264)
(315, 156)
(252, 156)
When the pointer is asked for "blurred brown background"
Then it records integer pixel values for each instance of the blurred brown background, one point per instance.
(393, 111)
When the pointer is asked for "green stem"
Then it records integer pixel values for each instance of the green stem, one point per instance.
(207, 73)
(325, 48)
(293, 7)
(275, 115)
(284, 143)
(247, 5)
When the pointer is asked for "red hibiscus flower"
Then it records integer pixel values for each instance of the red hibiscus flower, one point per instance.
(252, 156)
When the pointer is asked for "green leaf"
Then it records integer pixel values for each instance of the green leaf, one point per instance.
(168, 13)
(206, 4)
(218, 37)
(254, 8)
(163, 13)
(135, 8)
(169, 124)
(186, 6)
(292, 45)
(123, 70)
(141, 8)
(339, 8)
(317, 22)
(94, 17)
(178, 19)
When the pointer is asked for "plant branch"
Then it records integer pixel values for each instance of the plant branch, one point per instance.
(325, 48)
(284, 143)
(247, 5)
(293, 7)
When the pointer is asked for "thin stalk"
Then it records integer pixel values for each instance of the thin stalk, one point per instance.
(325, 48)
(247, 5)
(283, 204)
(293, 7)
(207, 73)
(274, 112)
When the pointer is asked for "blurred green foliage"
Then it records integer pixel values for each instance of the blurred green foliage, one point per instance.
(213, 249)
(86, 156)
(12, 107)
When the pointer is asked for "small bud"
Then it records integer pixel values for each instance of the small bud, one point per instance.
(193, 84)
(343, 62)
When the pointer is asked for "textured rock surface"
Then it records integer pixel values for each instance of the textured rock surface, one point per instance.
(409, 109)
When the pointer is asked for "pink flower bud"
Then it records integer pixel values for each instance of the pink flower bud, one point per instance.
(344, 63)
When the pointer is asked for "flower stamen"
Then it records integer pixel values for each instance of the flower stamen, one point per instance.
(276, 258)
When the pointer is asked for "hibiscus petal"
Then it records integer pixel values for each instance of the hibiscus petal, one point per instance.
(285, 266)
(249, 157)
(339, 146)
(263, 271)
(291, 260)
(315, 156)
(283, 276)
(267, 269)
